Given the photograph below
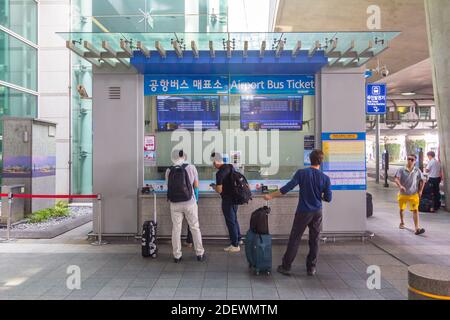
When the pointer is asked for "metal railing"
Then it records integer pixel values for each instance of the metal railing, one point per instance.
(97, 197)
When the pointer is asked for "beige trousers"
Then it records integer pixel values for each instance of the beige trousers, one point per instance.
(190, 212)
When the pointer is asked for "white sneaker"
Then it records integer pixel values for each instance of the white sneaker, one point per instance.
(232, 249)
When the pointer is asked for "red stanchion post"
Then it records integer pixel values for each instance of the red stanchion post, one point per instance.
(8, 227)
(100, 241)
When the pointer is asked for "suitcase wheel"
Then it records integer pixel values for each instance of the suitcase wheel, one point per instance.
(154, 256)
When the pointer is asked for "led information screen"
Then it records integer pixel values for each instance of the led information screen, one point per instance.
(184, 112)
(272, 112)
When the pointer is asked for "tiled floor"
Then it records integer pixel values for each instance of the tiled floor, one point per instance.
(40, 274)
(38, 269)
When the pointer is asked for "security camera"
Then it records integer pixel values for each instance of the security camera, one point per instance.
(384, 72)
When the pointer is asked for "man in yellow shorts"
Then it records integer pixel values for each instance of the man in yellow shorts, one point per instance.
(410, 181)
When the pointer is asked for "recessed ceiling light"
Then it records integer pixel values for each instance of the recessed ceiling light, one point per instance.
(408, 94)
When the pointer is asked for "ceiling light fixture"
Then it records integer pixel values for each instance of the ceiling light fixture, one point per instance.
(408, 94)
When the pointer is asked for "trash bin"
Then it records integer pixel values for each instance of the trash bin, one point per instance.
(18, 205)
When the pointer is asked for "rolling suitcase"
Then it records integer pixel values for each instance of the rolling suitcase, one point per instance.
(426, 205)
(369, 202)
(148, 246)
(258, 247)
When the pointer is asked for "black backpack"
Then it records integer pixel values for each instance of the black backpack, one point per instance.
(259, 221)
(179, 188)
(240, 190)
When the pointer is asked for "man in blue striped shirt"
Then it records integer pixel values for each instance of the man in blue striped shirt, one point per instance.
(315, 187)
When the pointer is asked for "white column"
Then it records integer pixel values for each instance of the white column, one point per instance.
(54, 81)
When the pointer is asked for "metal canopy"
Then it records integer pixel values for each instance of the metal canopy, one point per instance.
(167, 53)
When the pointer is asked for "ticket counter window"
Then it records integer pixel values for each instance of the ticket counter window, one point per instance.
(267, 136)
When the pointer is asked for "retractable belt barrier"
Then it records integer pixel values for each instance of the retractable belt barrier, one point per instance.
(11, 197)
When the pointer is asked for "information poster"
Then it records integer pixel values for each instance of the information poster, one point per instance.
(345, 160)
(149, 143)
(309, 145)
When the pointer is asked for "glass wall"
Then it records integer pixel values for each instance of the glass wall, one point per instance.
(18, 61)
(126, 16)
(262, 154)
(20, 16)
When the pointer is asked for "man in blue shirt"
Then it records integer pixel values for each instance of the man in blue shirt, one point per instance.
(314, 187)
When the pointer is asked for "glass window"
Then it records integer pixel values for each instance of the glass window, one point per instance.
(17, 104)
(260, 154)
(18, 62)
(20, 16)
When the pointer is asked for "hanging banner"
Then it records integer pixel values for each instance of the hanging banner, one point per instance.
(172, 85)
(250, 85)
(223, 85)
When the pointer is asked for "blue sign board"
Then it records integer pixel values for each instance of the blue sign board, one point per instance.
(222, 85)
(376, 99)
(248, 85)
(171, 85)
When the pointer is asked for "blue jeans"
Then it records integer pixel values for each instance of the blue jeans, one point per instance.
(230, 213)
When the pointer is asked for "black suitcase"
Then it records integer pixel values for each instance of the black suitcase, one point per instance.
(149, 247)
(426, 205)
(369, 201)
(259, 221)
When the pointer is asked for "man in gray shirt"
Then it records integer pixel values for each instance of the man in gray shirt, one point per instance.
(410, 181)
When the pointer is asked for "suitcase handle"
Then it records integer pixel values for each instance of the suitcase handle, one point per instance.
(154, 206)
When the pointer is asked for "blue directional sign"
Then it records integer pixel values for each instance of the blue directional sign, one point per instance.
(376, 99)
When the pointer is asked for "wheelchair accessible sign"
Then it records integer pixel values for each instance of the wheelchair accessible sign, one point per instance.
(376, 99)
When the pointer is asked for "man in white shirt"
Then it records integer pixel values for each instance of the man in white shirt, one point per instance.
(182, 193)
(433, 170)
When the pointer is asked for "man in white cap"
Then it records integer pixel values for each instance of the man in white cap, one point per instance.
(182, 193)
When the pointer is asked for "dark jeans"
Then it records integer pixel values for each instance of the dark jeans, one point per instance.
(230, 213)
(435, 182)
(312, 220)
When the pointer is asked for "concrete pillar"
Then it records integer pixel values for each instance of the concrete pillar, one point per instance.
(438, 25)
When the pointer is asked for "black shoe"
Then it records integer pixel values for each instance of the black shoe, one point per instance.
(283, 271)
(420, 231)
(201, 258)
(311, 272)
(177, 260)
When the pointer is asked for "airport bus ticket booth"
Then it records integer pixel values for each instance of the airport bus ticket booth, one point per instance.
(264, 100)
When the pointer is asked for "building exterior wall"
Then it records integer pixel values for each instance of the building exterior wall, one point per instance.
(54, 82)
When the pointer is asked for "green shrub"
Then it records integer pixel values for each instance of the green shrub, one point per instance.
(61, 209)
(394, 152)
(413, 145)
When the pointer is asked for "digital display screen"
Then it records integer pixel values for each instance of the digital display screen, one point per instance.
(186, 111)
(272, 112)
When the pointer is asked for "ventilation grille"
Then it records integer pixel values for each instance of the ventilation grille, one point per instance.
(114, 93)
